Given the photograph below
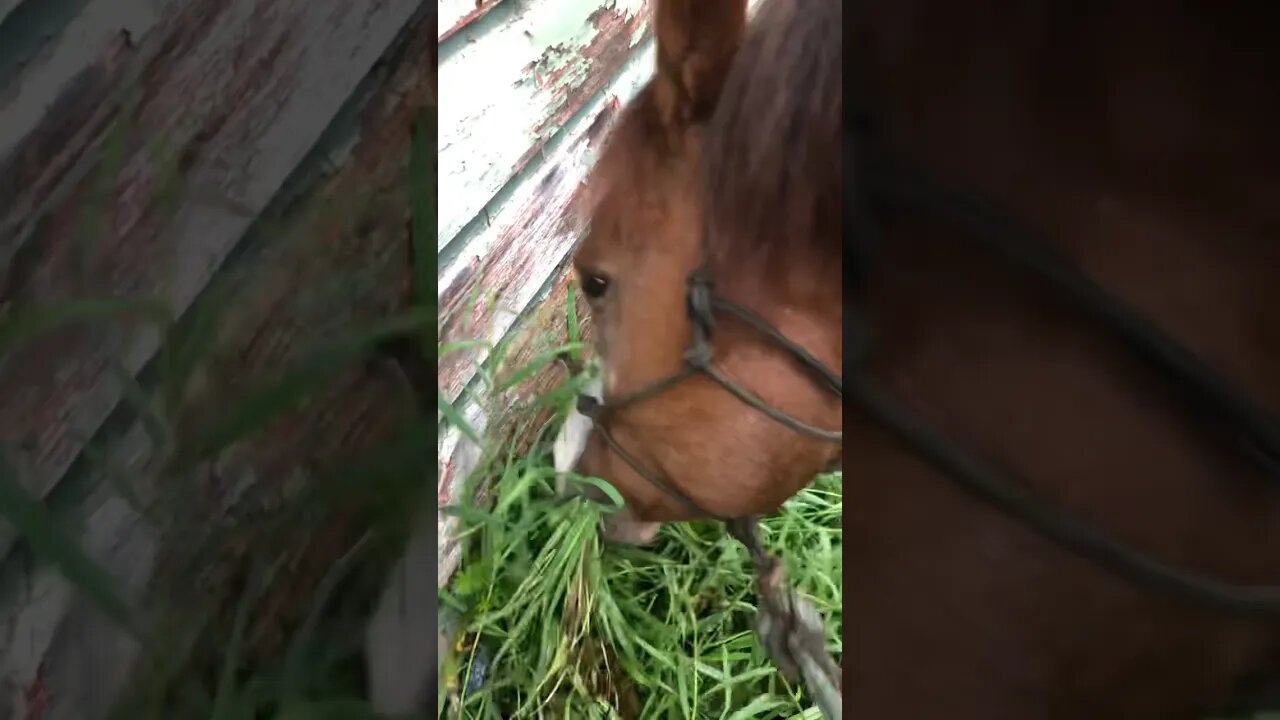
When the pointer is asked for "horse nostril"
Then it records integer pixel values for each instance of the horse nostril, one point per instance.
(588, 406)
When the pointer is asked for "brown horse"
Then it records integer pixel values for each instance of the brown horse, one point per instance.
(1135, 140)
(648, 233)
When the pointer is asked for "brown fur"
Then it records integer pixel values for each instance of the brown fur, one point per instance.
(772, 157)
(1140, 138)
(646, 235)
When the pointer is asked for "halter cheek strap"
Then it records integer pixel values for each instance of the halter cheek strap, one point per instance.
(701, 304)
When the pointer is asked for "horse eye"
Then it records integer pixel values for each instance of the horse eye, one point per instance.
(594, 285)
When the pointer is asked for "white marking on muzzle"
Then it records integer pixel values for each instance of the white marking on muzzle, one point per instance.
(571, 441)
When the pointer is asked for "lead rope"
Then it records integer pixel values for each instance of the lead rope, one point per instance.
(789, 626)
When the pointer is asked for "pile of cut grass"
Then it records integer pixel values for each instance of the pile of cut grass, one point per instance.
(554, 623)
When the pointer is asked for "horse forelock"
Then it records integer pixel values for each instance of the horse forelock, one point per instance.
(772, 151)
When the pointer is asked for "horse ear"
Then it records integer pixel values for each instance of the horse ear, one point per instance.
(697, 40)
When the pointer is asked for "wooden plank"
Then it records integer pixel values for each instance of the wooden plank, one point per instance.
(526, 246)
(7, 7)
(334, 258)
(514, 88)
(499, 272)
(54, 98)
(236, 93)
(458, 14)
(510, 424)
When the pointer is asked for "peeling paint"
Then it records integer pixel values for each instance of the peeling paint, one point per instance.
(245, 118)
(531, 235)
(515, 88)
(58, 655)
(84, 41)
(458, 14)
(571, 79)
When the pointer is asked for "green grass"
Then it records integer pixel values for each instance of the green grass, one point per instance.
(557, 624)
(554, 623)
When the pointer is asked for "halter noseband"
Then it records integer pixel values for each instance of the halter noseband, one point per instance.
(701, 304)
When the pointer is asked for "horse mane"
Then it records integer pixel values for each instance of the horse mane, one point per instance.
(772, 152)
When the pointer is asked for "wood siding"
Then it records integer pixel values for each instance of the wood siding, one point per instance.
(532, 88)
(244, 153)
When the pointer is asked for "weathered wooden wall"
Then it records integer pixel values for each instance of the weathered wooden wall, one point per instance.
(529, 90)
(244, 156)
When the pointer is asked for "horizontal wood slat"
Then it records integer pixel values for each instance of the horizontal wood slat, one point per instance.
(516, 86)
(503, 268)
(458, 14)
(328, 256)
(189, 142)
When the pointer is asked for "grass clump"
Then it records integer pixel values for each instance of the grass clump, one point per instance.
(554, 623)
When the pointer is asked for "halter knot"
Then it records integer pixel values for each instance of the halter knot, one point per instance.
(698, 355)
(698, 303)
